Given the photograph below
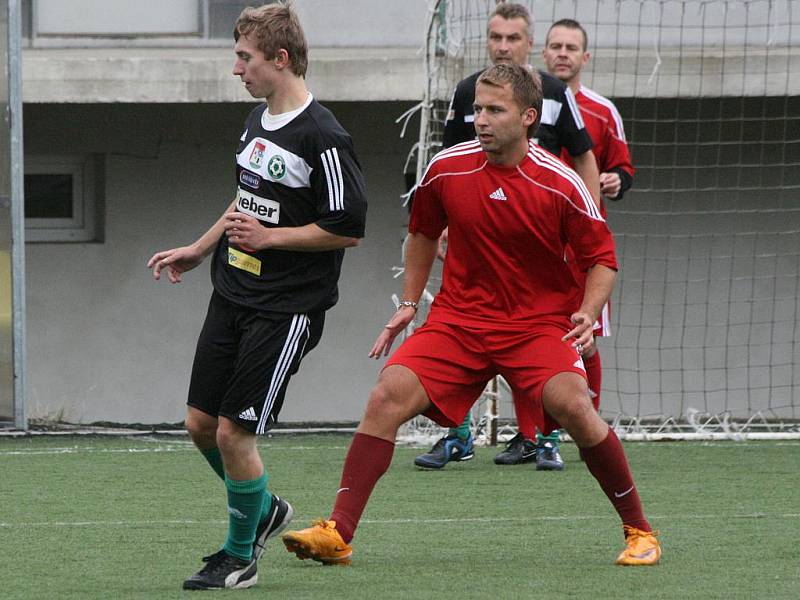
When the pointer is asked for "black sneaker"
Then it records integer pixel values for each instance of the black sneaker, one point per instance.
(446, 449)
(548, 458)
(223, 571)
(518, 451)
(276, 521)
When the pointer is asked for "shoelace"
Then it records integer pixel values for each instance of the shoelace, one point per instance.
(321, 523)
(438, 445)
(631, 533)
(212, 557)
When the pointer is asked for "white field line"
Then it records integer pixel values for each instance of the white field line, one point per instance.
(414, 521)
(189, 446)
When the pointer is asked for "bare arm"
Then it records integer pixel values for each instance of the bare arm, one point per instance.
(179, 260)
(420, 254)
(599, 283)
(586, 167)
(246, 231)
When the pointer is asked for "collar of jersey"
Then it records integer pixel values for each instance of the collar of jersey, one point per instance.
(273, 122)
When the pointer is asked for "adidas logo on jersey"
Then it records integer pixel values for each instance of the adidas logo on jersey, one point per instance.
(498, 194)
(248, 415)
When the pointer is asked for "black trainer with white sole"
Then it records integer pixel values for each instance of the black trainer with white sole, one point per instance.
(519, 450)
(223, 571)
(275, 522)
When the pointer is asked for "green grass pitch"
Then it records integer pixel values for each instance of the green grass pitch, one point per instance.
(106, 518)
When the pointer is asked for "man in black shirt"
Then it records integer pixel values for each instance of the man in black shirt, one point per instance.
(277, 254)
(509, 40)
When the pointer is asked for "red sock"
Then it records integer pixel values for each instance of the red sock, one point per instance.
(367, 460)
(607, 463)
(594, 376)
(525, 423)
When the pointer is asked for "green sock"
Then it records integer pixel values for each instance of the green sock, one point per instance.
(245, 500)
(462, 431)
(554, 437)
(214, 458)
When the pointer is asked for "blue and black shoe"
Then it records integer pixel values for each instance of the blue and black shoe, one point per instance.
(548, 458)
(448, 448)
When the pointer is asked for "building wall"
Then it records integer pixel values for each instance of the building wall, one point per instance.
(107, 343)
(704, 310)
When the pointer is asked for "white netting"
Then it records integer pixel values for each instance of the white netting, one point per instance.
(706, 310)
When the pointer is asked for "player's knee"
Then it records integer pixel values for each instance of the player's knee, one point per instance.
(233, 439)
(201, 427)
(566, 398)
(380, 398)
(384, 403)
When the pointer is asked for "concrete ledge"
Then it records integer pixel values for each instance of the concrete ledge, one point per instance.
(154, 75)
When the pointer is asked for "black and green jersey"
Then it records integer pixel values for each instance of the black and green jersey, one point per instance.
(292, 170)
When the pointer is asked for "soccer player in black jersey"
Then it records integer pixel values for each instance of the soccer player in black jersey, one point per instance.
(509, 39)
(277, 253)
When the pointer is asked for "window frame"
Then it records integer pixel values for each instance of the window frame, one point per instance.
(82, 226)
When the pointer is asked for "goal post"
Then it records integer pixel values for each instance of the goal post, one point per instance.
(706, 310)
(12, 226)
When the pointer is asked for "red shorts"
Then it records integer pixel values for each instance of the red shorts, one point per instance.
(455, 363)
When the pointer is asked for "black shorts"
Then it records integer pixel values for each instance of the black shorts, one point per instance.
(244, 360)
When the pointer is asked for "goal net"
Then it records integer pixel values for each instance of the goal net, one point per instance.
(706, 310)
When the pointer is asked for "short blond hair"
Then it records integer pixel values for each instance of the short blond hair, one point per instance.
(526, 87)
(272, 27)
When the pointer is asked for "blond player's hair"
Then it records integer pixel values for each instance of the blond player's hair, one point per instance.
(272, 27)
(526, 87)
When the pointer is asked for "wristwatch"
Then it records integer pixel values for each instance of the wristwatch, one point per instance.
(411, 303)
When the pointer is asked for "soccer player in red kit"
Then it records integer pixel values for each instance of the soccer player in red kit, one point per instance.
(508, 305)
(565, 55)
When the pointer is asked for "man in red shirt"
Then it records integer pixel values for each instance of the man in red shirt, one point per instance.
(508, 305)
(565, 55)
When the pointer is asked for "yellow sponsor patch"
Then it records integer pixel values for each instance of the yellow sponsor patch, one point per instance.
(243, 261)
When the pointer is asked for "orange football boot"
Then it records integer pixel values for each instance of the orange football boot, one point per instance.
(642, 547)
(320, 542)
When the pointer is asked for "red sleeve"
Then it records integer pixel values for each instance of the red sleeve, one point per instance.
(428, 216)
(617, 153)
(588, 234)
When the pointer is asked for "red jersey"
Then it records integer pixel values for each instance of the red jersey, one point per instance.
(508, 231)
(604, 124)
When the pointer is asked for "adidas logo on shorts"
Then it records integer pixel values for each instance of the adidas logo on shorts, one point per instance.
(248, 415)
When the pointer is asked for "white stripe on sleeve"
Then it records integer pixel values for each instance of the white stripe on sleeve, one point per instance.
(328, 178)
(340, 188)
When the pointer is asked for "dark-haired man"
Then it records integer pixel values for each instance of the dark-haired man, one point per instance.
(565, 55)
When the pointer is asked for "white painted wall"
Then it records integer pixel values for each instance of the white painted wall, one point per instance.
(107, 343)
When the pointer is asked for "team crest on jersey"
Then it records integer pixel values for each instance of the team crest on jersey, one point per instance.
(276, 167)
(257, 155)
